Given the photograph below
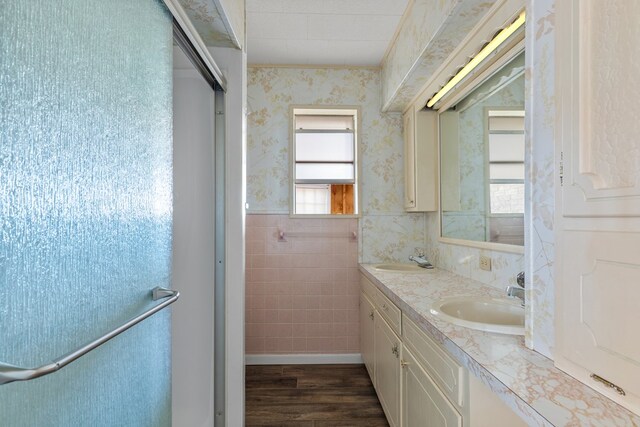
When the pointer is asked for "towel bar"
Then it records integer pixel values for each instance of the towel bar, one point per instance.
(10, 373)
(282, 235)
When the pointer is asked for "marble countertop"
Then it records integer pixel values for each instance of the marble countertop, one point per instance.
(527, 381)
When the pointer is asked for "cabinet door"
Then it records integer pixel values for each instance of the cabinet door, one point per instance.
(409, 135)
(367, 315)
(598, 202)
(421, 170)
(387, 370)
(423, 404)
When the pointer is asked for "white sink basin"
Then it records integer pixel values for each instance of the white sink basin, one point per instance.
(499, 315)
(404, 268)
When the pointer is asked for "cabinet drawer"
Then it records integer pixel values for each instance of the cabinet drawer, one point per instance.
(389, 311)
(445, 371)
(368, 288)
(385, 307)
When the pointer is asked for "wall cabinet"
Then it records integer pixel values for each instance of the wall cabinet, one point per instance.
(420, 133)
(418, 383)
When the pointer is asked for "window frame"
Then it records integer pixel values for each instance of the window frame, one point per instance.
(329, 110)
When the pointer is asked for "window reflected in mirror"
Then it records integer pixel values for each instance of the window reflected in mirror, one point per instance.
(482, 160)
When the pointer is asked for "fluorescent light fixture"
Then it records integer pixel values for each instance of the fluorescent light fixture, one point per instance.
(481, 56)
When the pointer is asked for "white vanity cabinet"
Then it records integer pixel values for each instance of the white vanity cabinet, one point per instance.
(408, 395)
(418, 383)
(381, 347)
(420, 132)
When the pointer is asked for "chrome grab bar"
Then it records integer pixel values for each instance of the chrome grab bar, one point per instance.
(11, 373)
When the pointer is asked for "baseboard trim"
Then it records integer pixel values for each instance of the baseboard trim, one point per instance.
(301, 359)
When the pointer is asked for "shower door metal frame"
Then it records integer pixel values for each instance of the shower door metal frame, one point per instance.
(184, 23)
(193, 46)
(220, 325)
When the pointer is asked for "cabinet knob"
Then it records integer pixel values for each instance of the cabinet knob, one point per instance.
(371, 315)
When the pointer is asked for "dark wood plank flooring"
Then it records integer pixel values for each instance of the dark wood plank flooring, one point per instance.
(311, 396)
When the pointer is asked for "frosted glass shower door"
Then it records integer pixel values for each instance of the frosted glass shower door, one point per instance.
(85, 208)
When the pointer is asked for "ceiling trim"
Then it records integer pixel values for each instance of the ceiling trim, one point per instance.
(392, 42)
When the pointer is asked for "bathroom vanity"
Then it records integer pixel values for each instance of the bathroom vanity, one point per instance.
(427, 371)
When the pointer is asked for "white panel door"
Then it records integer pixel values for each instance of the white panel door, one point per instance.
(599, 311)
(600, 108)
(598, 201)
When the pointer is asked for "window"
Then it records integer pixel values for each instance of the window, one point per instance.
(324, 157)
(506, 161)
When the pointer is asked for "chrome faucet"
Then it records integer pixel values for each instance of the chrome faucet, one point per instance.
(420, 260)
(517, 291)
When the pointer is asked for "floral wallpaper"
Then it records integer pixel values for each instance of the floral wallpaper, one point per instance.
(430, 32)
(386, 232)
(216, 28)
(540, 191)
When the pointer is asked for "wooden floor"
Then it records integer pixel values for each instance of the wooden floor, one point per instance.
(311, 396)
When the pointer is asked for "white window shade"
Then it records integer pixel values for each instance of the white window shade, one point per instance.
(506, 171)
(324, 122)
(506, 147)
(324, 147)
(506, 123)
(325, 172)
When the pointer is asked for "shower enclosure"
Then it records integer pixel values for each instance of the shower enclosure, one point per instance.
(86, 213)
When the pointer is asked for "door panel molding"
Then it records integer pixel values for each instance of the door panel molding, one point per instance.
(599, 120)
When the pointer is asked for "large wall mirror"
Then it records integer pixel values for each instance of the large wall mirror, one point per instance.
(482, 161)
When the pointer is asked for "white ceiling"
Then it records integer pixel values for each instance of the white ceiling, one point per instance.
(321, 32)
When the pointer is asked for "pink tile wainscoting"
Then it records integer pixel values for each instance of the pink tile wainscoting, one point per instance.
(302, 294)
